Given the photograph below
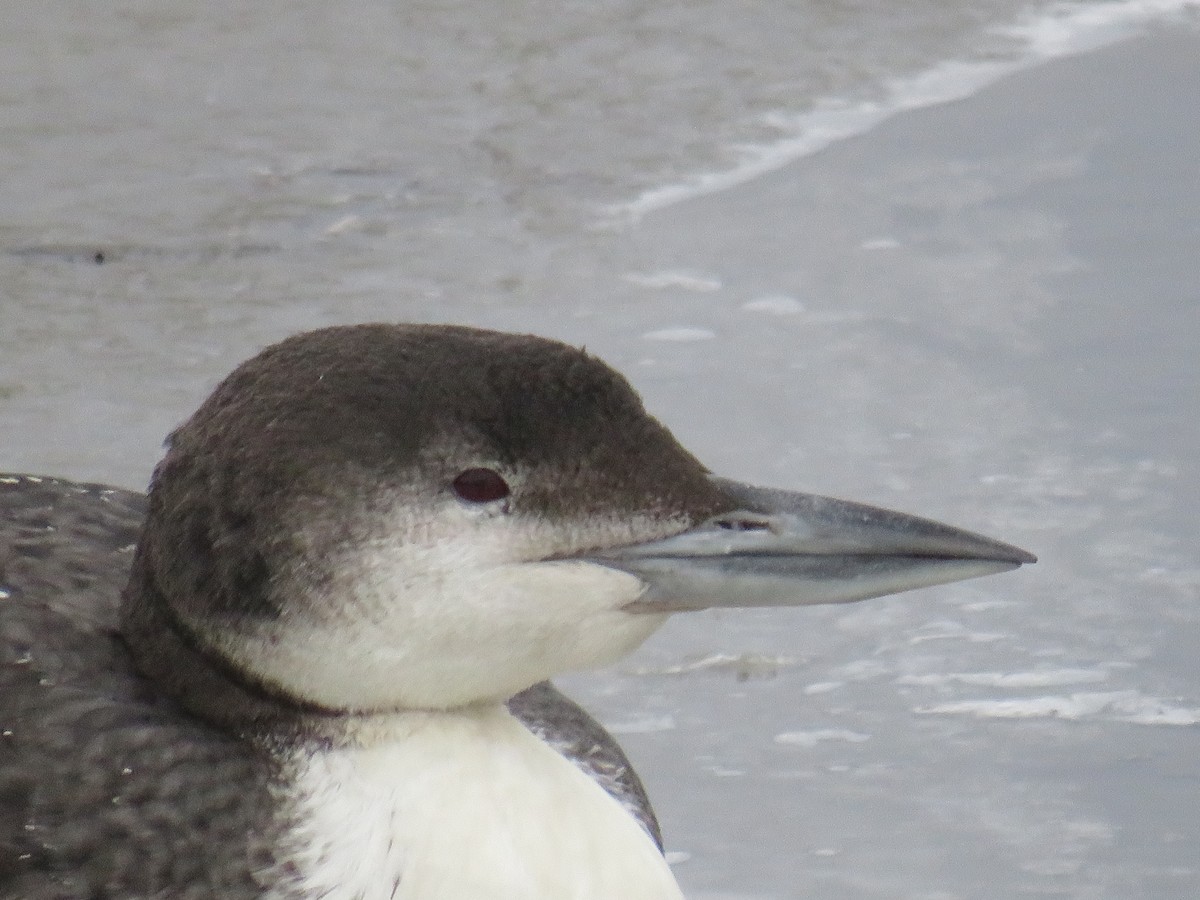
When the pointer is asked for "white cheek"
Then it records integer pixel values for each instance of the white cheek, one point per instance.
(489, 633)
(566, 614)
(452, 623)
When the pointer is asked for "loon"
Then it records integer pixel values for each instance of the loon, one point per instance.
(313, 661)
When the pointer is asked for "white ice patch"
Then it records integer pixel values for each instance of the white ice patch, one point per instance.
(671, 278)
(862, 670)
(743, 665)
(344, 225)
(823, 687)
(641, 725)
(1112, 706)
(775, 305)
(1034, 679)
(880, 243)
(682, 335)
(820, 735)
(954, 631)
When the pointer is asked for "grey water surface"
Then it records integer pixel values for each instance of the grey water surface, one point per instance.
(986, 311)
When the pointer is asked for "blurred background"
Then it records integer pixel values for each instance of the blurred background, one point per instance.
(939, 256)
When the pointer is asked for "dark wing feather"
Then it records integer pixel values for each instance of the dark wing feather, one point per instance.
(106, 790)
(566, 726)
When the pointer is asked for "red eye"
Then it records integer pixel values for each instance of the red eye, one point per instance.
(480, 486)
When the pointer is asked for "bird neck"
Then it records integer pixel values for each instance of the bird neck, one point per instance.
(209, 687)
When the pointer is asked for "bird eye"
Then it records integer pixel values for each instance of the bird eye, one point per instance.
(480, 486)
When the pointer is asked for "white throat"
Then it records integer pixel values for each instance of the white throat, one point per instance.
(466, 805)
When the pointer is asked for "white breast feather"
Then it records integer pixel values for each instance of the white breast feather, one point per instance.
(464, 806)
